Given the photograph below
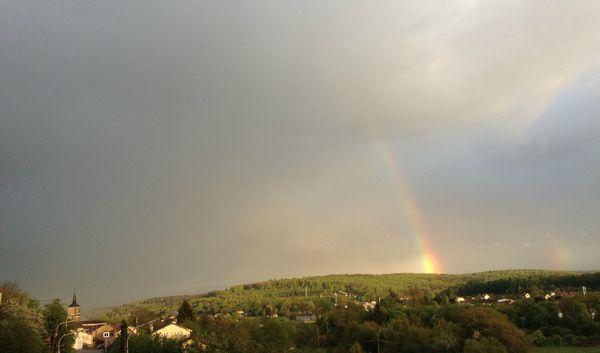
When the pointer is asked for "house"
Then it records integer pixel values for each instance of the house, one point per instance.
(369, 305)
(99, 331)
(306, 317)
(108, 334)
(460, 300)
(99, 334)
(486, 297)
(173, 330)
(83, 338)
(91, 325)
(527, 296)
(506, 301)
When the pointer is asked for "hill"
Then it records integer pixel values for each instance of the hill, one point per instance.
(290, 296)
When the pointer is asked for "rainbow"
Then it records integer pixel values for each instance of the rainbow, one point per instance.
(430, 262)
(557, 253)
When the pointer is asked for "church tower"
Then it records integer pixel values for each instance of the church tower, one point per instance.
(74, 310)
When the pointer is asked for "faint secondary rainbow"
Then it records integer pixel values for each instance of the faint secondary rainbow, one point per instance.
(557, 253)
(430, 262)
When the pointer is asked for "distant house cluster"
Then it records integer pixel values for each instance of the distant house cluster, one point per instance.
(92, 334)
(526, 296)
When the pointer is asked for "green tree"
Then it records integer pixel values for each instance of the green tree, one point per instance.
(18, 336)
(185, 312)
(445, 337)
(20, 322)
(269, 310)
(378, 315)
(55, 317)
(272, 335)
(491, 323)
(575, 314)
(533, 315)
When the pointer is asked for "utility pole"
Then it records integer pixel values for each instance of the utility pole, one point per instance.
(124, 338)
(136, 319)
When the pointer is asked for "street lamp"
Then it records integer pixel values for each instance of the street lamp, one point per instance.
(57, 326)
(60, 339)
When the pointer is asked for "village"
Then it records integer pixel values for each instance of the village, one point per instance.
(99, 335)
(96, 334)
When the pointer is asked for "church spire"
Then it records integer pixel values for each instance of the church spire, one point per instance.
(74, 303)
(74, 310)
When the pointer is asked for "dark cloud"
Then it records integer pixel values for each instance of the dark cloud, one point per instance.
(158, 148)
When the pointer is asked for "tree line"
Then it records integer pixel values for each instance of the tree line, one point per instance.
(28, 327)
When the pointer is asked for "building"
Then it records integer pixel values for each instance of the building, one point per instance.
(505, 301)
(74, 310)
(83, 339)
(369, 305)
(173, 331)
(306, 317)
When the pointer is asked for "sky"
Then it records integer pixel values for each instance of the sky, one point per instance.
(154, 148)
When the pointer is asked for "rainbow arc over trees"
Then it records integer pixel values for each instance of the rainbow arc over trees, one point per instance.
(430, 262)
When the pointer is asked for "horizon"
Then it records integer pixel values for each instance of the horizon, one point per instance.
(147, 147)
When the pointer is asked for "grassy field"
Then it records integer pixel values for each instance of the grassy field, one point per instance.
(567, 350)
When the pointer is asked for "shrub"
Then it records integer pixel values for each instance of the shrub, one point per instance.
(555, 340)
(484, 345)
(537, 338)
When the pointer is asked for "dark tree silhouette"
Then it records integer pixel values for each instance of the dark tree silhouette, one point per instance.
(185, 312)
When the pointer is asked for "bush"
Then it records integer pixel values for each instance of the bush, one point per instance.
(592, 341)
(484, 345)
(537, 338)
(572, 340)
(555, 341)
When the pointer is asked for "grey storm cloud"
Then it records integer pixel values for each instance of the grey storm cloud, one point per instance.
(160, 147)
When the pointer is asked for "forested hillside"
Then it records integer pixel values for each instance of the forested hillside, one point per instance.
(287, 297)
